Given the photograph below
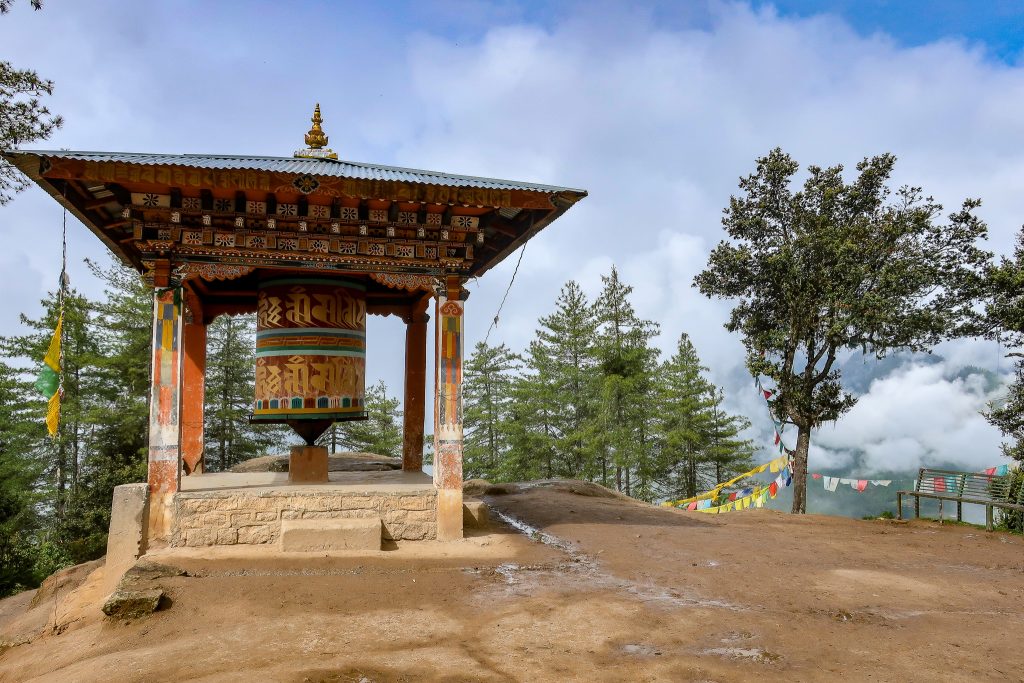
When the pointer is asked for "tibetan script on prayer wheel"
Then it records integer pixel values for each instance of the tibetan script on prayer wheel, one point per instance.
(310, 351)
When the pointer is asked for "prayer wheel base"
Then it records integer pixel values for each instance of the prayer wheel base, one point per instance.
(307, 465)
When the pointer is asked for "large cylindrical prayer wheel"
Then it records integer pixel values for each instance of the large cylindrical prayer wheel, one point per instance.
(310, 352)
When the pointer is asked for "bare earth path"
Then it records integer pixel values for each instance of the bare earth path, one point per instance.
(619, 592)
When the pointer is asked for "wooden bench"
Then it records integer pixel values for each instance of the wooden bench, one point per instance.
(963, 487)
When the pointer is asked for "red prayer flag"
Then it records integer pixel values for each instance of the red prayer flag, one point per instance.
(816, 476)
(940, 484)
(732, 496)
(777, 438)
(692, 506)
(767, 394)
(773, 488)
(861, 485)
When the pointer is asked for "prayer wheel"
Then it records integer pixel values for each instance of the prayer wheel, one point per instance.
(310, 353)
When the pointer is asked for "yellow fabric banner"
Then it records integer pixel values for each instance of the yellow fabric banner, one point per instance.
(776, 465)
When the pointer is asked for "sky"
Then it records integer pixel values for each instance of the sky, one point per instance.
(656, 109)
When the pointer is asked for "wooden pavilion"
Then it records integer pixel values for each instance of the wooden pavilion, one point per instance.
(209, 231)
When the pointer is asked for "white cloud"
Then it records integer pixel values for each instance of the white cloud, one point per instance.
(657, 120)
(917, 417)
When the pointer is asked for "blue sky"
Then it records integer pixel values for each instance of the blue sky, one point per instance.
(655, 108)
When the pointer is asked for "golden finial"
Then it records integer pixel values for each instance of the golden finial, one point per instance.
(316, 140)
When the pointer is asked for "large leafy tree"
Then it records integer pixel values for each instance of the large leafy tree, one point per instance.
(838, 266)
(1005, 317)
(23, 117)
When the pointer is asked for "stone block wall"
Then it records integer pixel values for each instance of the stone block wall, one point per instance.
(204, 518)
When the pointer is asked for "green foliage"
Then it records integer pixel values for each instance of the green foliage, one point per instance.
(592, 402)
(230, 395)
(837, 266)
(23, 117)
(380, 433)
(1005, 318)
(626, 368)
(489, 374)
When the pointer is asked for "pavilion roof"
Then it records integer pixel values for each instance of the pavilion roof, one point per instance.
(294, 212)
(318, 167)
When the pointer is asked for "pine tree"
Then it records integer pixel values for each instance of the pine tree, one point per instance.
(381, 432)
(20, 470)
(230, 394)
(626, 364)
(562, 360)
(487, 395)
(684, 409)
(727, 452)
(23, 118)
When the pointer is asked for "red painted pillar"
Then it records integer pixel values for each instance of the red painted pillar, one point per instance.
(448, 411)
(165, 410)
(193, 395)
(415, 387)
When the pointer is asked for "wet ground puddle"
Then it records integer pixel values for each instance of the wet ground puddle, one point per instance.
(580, 571)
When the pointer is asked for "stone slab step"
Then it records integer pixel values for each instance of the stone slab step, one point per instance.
(309, 535)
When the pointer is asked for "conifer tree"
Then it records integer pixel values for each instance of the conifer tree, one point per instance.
(381, 432)
(626, 362)
(20, 470)
(487, 395)
(684, 409)
(728, 453)
(563, 362)
(230, 394)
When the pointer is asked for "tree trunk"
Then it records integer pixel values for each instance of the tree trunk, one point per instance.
(618, 478)
(803, 443)
(628, 488)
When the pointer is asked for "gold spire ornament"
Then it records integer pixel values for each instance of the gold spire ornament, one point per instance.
(316, 140)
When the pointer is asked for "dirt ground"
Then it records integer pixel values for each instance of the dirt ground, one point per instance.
(586, 589)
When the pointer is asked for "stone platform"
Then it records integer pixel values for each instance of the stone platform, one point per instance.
(231, 508)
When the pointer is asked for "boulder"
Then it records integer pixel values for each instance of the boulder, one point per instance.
(132, 604)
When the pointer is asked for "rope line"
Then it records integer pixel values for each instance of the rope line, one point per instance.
(494, 323)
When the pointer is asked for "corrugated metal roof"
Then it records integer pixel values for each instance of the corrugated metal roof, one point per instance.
(316, 167)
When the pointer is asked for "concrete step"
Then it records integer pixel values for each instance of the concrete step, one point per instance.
(306, 535)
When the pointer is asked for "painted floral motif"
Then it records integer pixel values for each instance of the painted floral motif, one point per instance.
(349, 213)
(465, 221)
(378, 215)
(287, 244)
(257, 242)
(407, 217)
(405, 250)
(376, 249)
(287, 209)
(347, 248)
(306, 183)
(223, 205)
(192, 237)
(191, 203)
(433, 219)
(224, 239)
(256, 207)
(319, 245)
(319, 211)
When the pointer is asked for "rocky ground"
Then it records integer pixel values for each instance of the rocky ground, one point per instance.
(574, 587)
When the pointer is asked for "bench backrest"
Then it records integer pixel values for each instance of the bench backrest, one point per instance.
(978, 486)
